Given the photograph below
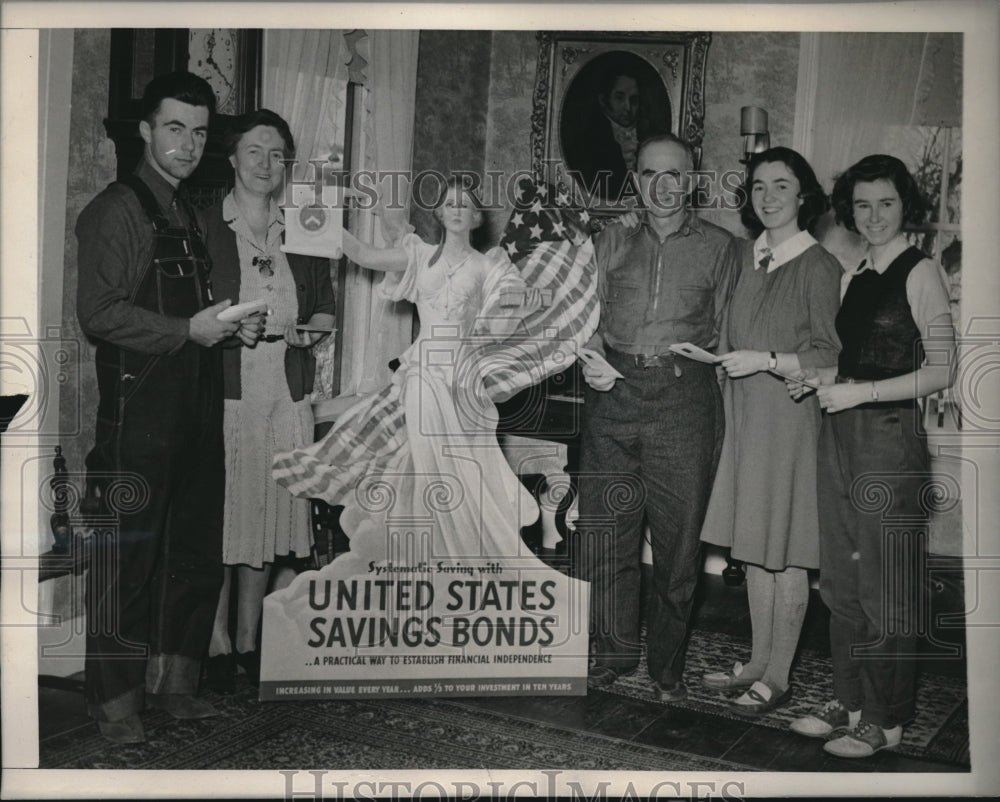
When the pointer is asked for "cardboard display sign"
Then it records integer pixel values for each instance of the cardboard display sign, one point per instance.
(426, 627)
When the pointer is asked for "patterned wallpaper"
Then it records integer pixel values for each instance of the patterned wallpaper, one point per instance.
(746, 69)
(449, 132)
(91, 169)
(939, 96)
(743, 69)
(512, 83)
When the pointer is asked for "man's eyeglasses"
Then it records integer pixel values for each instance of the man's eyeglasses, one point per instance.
(263, 263)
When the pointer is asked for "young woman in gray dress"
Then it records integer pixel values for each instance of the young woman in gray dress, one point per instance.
(780, 319)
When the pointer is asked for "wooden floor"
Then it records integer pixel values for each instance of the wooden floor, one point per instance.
(718, 609)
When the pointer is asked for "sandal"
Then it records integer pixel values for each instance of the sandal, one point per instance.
(760, 704)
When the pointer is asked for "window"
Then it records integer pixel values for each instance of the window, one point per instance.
(934, 156)
(330, 352)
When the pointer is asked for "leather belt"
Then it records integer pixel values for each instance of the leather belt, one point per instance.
(643, 360)
(651, 360)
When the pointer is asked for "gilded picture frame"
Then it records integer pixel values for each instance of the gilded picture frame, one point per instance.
(577, 70)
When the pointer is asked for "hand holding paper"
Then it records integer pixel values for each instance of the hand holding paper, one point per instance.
(597, 372)
(251, 328)
(801, 382)
(694, 352)
(209, 327)
(739, 364)
(299, 339)
(232, 314)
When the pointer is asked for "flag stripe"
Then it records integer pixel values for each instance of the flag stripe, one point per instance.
(366, 437)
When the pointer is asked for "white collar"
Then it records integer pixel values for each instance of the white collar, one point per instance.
(785, 252)
(889, 254)
(621, 131)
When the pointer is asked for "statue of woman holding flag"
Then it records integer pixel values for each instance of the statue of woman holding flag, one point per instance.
(488, 329)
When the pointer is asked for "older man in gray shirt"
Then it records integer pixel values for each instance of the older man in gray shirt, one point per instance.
(650, 441)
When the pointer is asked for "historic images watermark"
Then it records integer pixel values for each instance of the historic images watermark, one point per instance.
(552, 783)
(497, 190)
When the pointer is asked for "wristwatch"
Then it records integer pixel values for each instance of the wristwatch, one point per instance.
(874, 392)
(772, 362)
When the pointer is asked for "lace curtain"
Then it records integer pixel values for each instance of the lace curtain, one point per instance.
(377, 331)
(305, 81)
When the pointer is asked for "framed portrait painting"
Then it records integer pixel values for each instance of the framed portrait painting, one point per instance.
(599, 94)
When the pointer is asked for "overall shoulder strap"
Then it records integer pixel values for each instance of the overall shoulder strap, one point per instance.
(185, 202)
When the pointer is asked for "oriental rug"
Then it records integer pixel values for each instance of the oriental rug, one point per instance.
(939, 732)
(363, 735)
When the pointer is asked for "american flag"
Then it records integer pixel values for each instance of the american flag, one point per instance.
(542, 213)
(547, 239)
(363, 442)
(553, 254)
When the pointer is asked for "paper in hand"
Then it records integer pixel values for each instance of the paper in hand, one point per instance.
(315, 329)
(316, 228)
(239, 311)
(700, 354)
(594, 360)
(804, 382)
(694, 352)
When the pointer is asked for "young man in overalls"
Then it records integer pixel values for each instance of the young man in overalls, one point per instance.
(145, 296)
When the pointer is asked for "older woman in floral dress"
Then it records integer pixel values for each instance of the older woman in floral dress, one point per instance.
(267, 407)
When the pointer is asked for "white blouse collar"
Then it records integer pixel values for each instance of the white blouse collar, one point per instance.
(785, 252)
(887, 257)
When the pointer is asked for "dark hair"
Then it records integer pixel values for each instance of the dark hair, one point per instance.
(250, 120)
(465, 182)
(183, 86)
(668, 139)
(875, 168)
(608, 77)
(814, 200)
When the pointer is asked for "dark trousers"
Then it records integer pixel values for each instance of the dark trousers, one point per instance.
(873, 470)
(156, 569)
(649, 450)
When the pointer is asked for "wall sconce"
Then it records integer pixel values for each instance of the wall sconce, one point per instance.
(753, 128)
